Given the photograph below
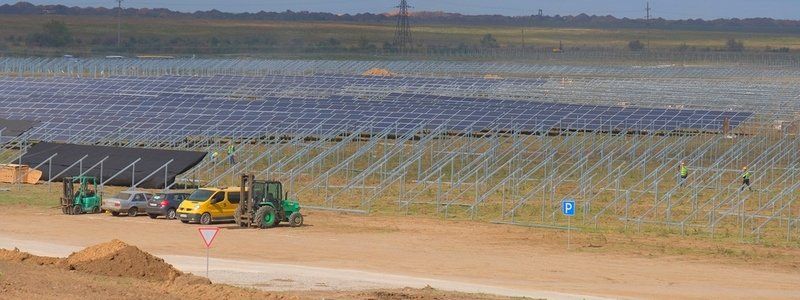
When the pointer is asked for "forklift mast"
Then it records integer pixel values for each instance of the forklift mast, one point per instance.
(68, 198)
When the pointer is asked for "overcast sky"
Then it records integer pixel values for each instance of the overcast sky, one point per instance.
(670, 9)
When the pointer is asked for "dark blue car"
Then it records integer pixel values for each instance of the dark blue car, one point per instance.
(165, 204)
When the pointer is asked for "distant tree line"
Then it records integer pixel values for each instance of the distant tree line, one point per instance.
(578, 21)
(56, 34)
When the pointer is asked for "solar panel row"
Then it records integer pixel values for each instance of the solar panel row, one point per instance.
(173, 107)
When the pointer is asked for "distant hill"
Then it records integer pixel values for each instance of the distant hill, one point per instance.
(578, 21)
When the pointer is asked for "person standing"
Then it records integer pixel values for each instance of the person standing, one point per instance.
(231, 151)
(214, 156)
(746, 179)
(684, 173)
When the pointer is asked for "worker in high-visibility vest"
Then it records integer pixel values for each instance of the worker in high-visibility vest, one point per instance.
(214, 156)
(231, 150)
(746, 179)
(684, 173)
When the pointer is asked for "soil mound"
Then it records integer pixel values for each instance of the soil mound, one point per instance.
(116, 258)
(377, 72)
(19, 256)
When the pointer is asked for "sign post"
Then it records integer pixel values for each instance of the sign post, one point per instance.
(568, 209)
(208, 234)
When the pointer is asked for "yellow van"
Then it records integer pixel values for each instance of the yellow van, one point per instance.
(207, 205)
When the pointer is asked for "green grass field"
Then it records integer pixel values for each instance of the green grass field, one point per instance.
(94, 34)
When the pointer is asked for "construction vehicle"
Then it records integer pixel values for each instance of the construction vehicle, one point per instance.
(83, 200)
(263, 204)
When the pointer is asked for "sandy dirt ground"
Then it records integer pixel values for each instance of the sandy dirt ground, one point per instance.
(116, 270)
(467, 256)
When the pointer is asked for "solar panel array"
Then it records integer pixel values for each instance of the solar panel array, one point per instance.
(234, 106)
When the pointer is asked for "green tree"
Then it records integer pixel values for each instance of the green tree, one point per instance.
(54, 34)
(488, 41)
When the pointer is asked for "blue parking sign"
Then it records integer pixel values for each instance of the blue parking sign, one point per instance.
(568, 207)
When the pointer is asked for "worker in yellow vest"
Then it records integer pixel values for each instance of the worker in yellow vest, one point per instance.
(746, 179)
(684, 173)
(214, 156)
(231, 152)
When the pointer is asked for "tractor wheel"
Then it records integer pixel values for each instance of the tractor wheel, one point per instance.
(296, 219)
(76, 210)
(171, 214)
(96, 210)
(133, 211)
(205, 219)
(152, 216)
(115, 213)
(266, 217)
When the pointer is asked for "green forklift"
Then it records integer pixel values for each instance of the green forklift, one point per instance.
(266, 206)
(83, 200)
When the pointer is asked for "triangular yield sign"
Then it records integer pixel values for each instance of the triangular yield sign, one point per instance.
(208, 234)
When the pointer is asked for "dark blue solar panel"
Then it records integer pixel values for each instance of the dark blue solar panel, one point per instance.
(237, 106)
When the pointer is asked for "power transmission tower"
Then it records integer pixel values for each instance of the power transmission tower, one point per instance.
(402, 34)
(119, 23)
(541, 12)
(647, 23)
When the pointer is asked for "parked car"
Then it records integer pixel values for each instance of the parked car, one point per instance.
(131, 203)
(207, 205)
(165, 204)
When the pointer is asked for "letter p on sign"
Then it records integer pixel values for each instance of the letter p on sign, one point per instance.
(568, 207)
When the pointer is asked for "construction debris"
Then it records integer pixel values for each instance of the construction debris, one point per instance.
(13, 173)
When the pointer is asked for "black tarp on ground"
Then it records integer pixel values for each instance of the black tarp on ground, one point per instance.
(118, 159)
(15, 127)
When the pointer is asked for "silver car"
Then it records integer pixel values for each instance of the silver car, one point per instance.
(127, 202)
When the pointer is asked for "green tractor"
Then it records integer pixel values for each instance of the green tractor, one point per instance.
(266, 206)
(84, 200)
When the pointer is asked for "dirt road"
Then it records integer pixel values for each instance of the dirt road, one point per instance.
(345, 250)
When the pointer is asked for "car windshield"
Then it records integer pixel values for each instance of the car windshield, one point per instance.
(158, 197)
(200, 195)
(123, 196)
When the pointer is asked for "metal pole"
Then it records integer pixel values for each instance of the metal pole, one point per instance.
(569, 230)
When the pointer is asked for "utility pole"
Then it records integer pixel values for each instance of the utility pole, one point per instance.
(402, 35)
(119, 23)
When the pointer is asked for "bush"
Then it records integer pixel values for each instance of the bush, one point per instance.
(54, 34)
(734, 45)
(635, 45)
(488, 41)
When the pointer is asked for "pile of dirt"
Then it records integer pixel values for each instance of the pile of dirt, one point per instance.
(19, 256)
(116, 258)
(377, 72)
